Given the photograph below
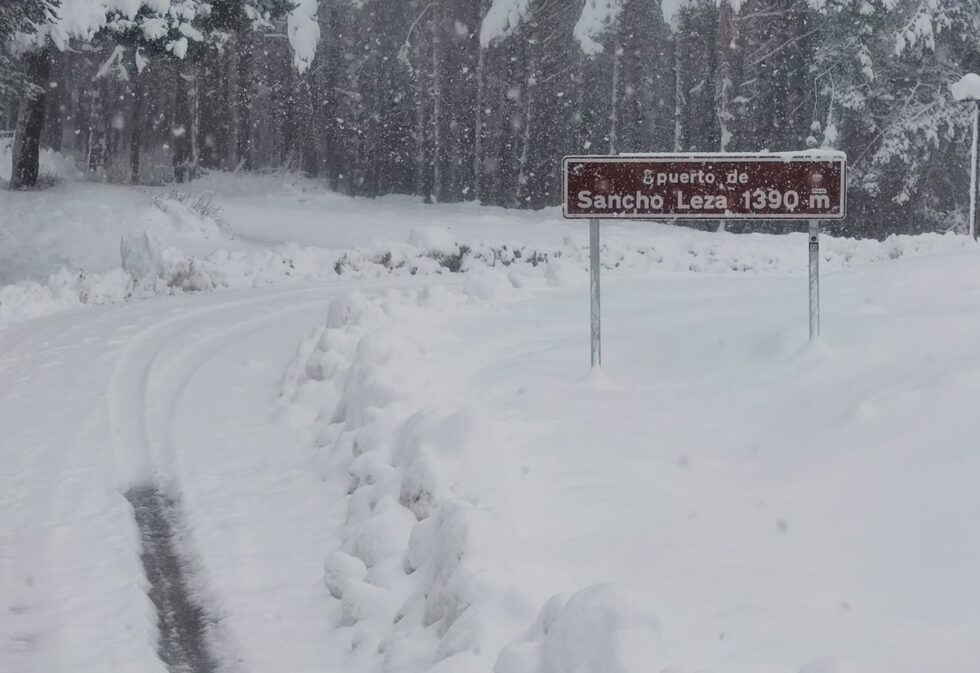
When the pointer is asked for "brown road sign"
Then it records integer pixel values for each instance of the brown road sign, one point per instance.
(777, 186)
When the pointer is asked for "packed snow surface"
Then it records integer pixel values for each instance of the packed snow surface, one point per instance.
(388, 453)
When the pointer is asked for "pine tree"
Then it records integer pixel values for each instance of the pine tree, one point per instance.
(883, 79)
(774, 99)
(21, 17)
(697, 30)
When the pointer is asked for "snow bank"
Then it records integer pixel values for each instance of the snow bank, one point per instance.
(422, 575)
(85, 244)
(259, 183)
(412, 576)
(153, 262)
(64, 290)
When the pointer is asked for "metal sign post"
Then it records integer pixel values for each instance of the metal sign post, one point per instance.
(967, 90)
(594, 303)
(814, 279)
(973, 171)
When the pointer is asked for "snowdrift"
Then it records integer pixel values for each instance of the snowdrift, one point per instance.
(421, 577)
(180, 244)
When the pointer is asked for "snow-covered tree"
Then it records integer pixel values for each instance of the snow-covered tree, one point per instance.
(22, 20)
(479, 99)
(725, 73)
(696, 59)
(625, 45)
(136, 33)
(883, 72)
(19, 18)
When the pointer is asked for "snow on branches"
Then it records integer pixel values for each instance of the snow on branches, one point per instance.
(597, 17)
(502, 19)
(175, 27)
(304, 32)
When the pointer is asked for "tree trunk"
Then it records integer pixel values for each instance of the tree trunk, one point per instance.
(290, 127)
(211, 135)
(311, 160)
(192, 104)
(523, 177)
(581, 134)
(614, 102)
(724, 76)
(478, 129)
(423, 169)
(30, 122)
(438, 142)
(54, 127)
(243, 104)
(679, 98)
(95, 151)
(136, 135)
(183, 128)
(725, 73)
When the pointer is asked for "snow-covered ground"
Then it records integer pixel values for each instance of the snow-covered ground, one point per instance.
(387, 453)
(90, 244)
(759, 504)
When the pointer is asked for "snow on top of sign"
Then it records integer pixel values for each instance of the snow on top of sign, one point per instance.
(968, 88)
(816, 153)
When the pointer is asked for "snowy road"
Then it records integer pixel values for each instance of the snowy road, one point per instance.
(169, 392)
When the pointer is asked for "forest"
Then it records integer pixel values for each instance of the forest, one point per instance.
(478, 100)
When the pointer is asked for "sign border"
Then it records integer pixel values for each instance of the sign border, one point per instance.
(782, 157)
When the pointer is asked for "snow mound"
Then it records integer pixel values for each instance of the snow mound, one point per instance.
(179, 243)
(435, 239)
(417, 583)
(64, 290)
(186, 213)
(488, 285)
(596, 630)
(149, 261)
(421, 576)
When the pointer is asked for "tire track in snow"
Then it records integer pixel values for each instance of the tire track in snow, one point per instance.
(188, 632)
(146, 386)
(184, 624)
